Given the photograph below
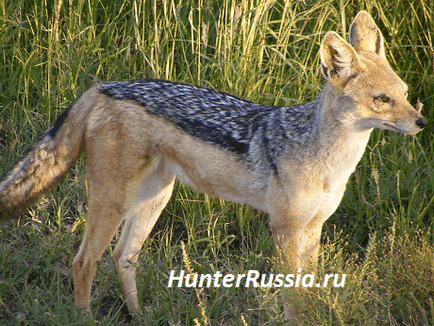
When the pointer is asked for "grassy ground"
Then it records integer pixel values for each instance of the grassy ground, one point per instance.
(266, 51)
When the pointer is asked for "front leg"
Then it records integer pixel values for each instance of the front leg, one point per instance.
(297, 244)
(296, 225)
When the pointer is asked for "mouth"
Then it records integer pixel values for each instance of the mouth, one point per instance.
(392, 127)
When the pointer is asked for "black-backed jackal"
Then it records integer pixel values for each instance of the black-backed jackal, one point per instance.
(291, 162)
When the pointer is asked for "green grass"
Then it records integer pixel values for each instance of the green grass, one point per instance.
(265, 51)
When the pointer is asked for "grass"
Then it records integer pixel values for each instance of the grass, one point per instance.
(266, 51)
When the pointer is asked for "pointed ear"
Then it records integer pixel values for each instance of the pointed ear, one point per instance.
(365, 35)
(339, 60)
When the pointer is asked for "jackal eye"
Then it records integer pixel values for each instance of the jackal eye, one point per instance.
(382, 99)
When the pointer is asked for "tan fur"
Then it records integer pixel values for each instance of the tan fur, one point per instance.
(134, 158)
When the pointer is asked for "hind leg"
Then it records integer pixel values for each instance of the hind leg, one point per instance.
(115, 169)
(151, 198)
(103, 219)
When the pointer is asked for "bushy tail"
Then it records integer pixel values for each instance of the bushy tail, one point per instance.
(45, 163)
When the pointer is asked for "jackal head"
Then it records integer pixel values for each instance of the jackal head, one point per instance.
(368, 92)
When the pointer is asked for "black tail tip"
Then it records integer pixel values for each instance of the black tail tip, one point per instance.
(8, 213)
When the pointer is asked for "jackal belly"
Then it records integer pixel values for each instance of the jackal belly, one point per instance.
(216, 173)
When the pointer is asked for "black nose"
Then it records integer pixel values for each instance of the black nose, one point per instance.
(422, 122)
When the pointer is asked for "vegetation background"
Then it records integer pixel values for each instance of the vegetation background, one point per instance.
(262, 50)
